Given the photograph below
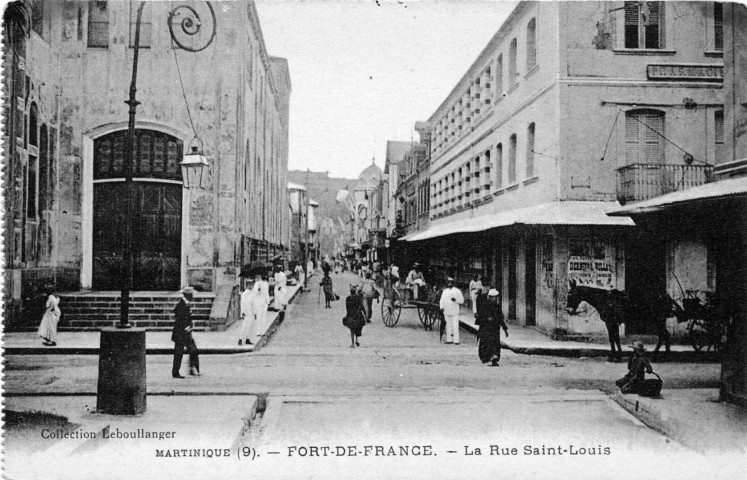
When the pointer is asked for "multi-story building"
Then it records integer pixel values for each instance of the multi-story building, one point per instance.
(704, 228)
(299, 205)
(565, 101)
(65, 140)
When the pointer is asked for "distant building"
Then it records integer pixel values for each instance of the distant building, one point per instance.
(569, 108)
(64, 149)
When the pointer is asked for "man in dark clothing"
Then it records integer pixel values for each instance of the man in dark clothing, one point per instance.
(489, 318)
(182, 335)
(638, 367)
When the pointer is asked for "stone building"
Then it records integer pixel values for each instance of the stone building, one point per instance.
(707, 224)
(64, 153)
(570, 107)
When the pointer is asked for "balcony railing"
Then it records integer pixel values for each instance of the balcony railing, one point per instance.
(641, 181)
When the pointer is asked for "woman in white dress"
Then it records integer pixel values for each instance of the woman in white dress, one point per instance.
(261, 292)
(48, 327)
(281, 289)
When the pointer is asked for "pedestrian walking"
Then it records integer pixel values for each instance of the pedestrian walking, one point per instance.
(247, 317)
(329, 293)
(182, 335)
(369, 292)
(281, 290)
(489, 318)
(48, 326)
(301, 276)
(638, 367)
(355, 316)
(261, 291)
(475, 287)
(451, 299)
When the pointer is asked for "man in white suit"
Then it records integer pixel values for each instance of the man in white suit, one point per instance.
(451, 299)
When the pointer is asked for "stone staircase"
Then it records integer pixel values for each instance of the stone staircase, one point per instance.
(82, 311)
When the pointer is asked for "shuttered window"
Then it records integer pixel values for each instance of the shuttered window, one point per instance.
(512, 63)
(512, 159)
(531, 44)
(146, 26)
(499, 166)
(499, 77)
(643, 136)
(644, 25)
(718, 25)
(719, 136)
(98, 24)
(530, 151)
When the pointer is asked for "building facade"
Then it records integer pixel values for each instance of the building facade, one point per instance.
(64, 154)
(556, 117)
(711, 220)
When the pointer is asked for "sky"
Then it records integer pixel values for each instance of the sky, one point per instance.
(363, 72)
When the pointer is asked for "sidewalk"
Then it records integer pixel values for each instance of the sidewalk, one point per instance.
(530, 341)
(156, 343)
(693, 417)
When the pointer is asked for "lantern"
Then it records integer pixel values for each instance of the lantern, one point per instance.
(193, 166)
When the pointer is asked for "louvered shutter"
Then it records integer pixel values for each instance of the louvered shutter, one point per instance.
(632, 10)
(719, 136)
(632, 139)
(652, 146)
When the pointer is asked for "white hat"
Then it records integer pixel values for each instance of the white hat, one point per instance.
(187, 290)
(493, 292)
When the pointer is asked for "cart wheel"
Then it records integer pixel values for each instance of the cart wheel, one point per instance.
(422, 314)
(391, 308)
(698, 335)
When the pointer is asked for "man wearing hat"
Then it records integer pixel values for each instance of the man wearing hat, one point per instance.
(451, 299)
(182, 335)
(638, 367)
(415, 280)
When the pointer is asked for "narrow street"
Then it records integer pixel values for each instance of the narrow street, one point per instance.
(400, 388)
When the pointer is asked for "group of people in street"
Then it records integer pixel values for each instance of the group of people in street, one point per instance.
(255, 302)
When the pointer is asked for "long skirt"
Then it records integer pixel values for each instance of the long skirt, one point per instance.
(48, 327)
(489, 346)
(356, 325)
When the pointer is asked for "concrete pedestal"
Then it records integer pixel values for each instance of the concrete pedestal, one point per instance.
(122, 382)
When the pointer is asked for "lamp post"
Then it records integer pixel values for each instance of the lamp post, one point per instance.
(121, 388)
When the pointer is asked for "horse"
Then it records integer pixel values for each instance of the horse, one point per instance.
(615, 305)
(611, 305)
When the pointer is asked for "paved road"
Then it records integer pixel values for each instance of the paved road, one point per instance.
(404, 389)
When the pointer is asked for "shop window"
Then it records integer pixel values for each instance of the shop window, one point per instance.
(531, 44)
(98, 24)
(644, 25)
(644, 130)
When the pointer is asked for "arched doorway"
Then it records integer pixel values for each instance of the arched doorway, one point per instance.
(157, 211)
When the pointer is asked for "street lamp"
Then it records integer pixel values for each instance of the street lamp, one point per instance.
(121, 388)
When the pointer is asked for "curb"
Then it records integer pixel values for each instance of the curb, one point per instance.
(577, 352)
(228, 350)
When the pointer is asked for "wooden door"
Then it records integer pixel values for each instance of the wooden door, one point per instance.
(156, 217)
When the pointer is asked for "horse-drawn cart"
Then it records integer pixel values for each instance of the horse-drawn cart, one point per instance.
(705, 328)
(396, 297)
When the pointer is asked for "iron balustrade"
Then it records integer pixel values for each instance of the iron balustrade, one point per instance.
(641, 181)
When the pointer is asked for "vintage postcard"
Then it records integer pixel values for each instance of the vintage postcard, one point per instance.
(376, 239)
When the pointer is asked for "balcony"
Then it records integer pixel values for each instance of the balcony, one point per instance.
(640, 181)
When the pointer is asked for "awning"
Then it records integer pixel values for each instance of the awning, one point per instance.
(556, 213)
(733, 187)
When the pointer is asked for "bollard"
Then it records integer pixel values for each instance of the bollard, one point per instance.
(122, 383)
